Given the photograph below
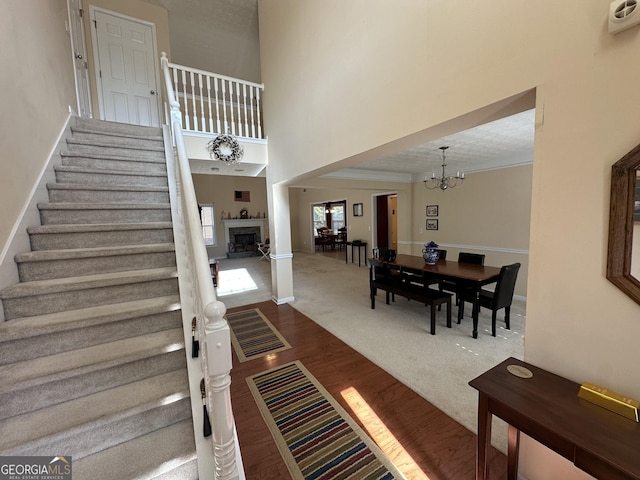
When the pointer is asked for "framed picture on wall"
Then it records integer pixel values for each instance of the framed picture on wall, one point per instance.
(432, 210)
(432, 224)
(357, 210)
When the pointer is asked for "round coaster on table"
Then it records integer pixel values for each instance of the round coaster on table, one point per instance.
(519, 371)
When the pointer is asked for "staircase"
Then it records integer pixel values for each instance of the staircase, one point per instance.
(92, 355)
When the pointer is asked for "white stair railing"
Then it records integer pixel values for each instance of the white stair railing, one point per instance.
(217, 104)
(213, 330)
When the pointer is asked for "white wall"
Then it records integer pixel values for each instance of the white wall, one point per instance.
(37, 90)
(344, 78)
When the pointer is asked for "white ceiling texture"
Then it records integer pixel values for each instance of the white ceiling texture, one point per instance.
(498, 144)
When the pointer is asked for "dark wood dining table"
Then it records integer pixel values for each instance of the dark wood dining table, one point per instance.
(466, 275)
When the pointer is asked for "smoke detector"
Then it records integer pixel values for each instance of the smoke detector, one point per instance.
(623, 14)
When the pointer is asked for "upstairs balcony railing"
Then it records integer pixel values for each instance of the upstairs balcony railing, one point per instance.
(215, 104)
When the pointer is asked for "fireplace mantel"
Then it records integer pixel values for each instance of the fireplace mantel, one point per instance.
(243, 222)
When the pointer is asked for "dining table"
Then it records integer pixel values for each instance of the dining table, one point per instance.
(466, 275)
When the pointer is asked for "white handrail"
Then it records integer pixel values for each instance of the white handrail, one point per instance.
(213, 330)
(240, 100)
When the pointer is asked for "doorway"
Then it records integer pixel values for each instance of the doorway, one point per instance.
(386, 221)
(125, 57)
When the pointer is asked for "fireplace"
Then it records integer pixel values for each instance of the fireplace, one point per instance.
(242, 236)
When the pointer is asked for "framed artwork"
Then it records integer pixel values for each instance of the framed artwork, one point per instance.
(432, 210)
(357, 210)
(432, 224)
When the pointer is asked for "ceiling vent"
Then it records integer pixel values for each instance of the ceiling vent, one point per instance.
(623, 14)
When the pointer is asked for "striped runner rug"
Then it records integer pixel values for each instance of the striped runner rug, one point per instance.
(253, 335)
(317, 438)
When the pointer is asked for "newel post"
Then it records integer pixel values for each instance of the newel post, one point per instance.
(218, 383)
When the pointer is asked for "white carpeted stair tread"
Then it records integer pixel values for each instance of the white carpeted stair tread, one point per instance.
(99, 171)
(61, 321)
(145, 457)
(148, 147)
(115, 135)
(97, 227)
(115, 127)
(85, 412)
(67, 364)
(77, 253)
(107, 188)
(59, 285)
(102, 206)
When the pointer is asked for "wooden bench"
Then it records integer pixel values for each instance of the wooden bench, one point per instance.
(387, 277)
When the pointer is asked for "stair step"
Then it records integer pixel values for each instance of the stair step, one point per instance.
(33, 337)
(33, 384)
(70, 174)
(87, 193)
(49, 264)
(114, 162)
(90, 147)
(58, 237)
(29, 299)
(95, 125)
(88, 424)
(90, 135)
(70, 213)
(166, 454)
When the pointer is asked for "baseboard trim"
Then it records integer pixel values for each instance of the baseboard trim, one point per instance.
(282, 301)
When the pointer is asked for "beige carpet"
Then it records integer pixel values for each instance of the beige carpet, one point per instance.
(395, 337)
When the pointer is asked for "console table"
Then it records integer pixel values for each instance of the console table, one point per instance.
(356, 243)
(546, 407)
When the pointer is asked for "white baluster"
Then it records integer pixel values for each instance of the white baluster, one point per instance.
(186, 100)
(203, 127)
(215, 84)
(258, 112)
(253, 125)
(193, 100)
(218, 382)
(233, 121)
(209, 104)
(244, 107)
(224, 105)
(239, 110)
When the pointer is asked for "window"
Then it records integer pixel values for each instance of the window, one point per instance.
(207, 218)
(330, 214)
(318, 217)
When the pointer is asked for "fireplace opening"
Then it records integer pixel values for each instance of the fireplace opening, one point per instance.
(242, 241)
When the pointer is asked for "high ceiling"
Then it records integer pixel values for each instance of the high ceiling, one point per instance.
(502, 143)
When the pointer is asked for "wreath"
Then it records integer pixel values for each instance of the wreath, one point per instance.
(225, 148)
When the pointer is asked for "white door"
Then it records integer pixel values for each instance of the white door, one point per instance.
(78, 47)
(126, 69)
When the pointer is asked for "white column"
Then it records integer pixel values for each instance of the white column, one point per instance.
(280, 231)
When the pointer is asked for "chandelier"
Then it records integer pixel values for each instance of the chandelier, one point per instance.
(444, 182)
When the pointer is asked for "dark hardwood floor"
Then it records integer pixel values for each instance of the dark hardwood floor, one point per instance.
(423, 442)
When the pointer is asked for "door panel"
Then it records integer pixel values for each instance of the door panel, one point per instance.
(126, 56)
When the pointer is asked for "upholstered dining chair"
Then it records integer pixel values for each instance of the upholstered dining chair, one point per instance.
(501, 297)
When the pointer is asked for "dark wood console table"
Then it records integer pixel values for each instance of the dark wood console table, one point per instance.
(359, 244)
(546, 407)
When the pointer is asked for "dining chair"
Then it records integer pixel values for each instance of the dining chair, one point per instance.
(463, 257)
(501, 297)
(341, 237)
